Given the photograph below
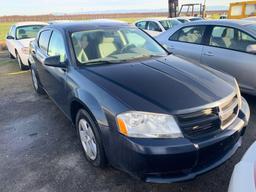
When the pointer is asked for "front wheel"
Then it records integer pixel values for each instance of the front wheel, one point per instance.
(11, 56)
(90, 139)
(21, 65)
(36, 83)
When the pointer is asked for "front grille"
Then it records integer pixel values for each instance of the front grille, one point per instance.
(208, 121)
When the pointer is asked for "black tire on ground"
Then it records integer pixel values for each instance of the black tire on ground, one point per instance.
(100, 160)
(36, 82)
(21, 65)
(11, 56)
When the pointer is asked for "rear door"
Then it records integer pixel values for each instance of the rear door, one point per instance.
(226, 51)
(40, 53)
(187, 42)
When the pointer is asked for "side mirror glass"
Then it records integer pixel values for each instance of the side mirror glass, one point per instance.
(9, 37)
(54, 61)
(251, 49)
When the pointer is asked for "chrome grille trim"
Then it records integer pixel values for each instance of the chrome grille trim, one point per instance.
(228, 112)
(207, 121)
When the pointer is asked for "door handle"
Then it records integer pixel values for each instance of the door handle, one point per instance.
(33, 52)
(209, 53)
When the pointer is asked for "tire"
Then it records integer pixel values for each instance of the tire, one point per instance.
(36, 82)
(21, 65)
(93, 139)
(11, 56)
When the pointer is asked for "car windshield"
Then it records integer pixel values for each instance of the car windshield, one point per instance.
(168, 24)
(26, 32)
(114, 45)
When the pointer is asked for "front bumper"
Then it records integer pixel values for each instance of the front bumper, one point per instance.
(174, 160)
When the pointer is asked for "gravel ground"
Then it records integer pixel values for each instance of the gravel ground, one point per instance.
(39, 150)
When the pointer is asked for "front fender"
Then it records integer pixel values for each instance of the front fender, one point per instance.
(91, 104)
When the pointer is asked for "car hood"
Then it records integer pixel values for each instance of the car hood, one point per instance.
(167, 83)
(25, 42)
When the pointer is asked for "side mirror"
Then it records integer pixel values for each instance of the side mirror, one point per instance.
(251, 49)
(54, 61)
(9, 37)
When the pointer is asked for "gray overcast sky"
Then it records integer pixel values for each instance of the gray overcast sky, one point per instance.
(27, 7)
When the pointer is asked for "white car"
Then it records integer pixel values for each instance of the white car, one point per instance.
(18, 39)
(155, 26)
(244, 174)
(253, 18)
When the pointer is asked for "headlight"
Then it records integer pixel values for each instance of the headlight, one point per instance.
(238, 92)
(25, 50)
(148, 125)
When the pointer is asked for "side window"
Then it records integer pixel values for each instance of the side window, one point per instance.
(189, 34)
(57, 46)
(141, 24)
(12, 31)
(230, 38)
(236, 10)
(44, 40)
(153, 26)
(250, 9)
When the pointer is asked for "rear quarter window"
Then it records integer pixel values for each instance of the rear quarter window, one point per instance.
(44, 40)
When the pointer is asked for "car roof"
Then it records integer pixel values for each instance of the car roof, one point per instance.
(155, 19)
(19, 24)
(228, 22)
(188, 17)
(87, 25)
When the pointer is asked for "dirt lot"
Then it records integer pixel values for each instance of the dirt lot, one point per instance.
(39, 150)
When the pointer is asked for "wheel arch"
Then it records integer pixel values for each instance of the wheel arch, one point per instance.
(91, 106)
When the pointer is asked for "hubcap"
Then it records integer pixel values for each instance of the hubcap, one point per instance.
(34, 79)
(88, 139)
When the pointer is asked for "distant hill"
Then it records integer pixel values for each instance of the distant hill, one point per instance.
(208, 8)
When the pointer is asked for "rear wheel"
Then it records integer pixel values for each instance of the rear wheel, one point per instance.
(36, 83)
(21, 65)
(90, 139)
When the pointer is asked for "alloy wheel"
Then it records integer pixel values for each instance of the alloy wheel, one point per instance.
(88, 139)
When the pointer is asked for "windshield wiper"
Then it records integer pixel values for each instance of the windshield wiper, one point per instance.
(101, 62)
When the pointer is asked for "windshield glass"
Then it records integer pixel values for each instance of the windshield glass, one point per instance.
(168, 24)
(26, 32)
(114, 45)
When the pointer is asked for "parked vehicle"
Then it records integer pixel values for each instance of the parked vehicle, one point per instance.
(250, 18)
(244, 9)
(155, 26)
(244, 174)
(148, 113)
(225, 45)
(188, 19)
(18, 40)
(223, 17)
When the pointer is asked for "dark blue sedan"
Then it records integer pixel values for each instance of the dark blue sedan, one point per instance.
(135, 106)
